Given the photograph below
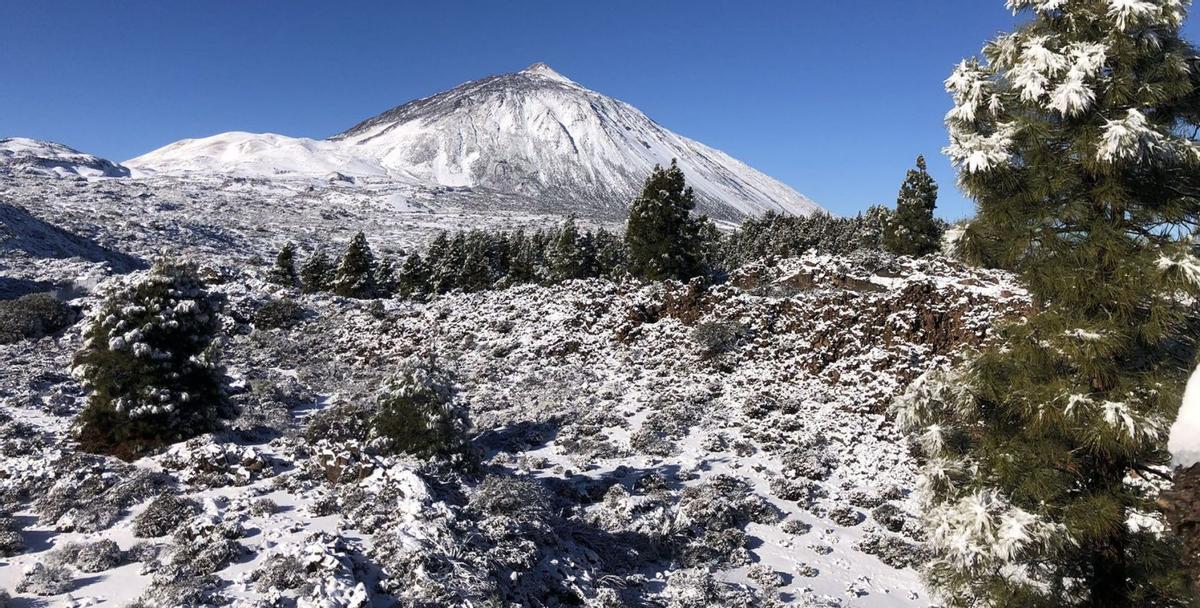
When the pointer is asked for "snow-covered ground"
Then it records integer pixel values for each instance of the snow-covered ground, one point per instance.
(623, 459)
(645, 468)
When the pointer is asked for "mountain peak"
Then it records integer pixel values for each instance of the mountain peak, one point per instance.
(533, 134)
(543, 70)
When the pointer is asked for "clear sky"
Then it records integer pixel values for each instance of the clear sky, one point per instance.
(835, 99)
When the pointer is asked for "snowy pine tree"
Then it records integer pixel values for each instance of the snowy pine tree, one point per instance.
(355, 275)
(148, 364)
(386, 278)
(662, 236)
(912, 229)
(413, 278)
(316, 274)
(1074, 136)
(612, 259)
(284, 271)
(565, 256)
(419, 415)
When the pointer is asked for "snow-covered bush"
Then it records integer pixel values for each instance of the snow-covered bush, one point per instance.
(182, 592)
(206, 463)
(263, 507)
(283, 313)
(340, 423)
(204, 546)
(698, 588)
(713, 516)
(796, 527)
(893, 551)
(890, 516)
(163, 515)
(846, 516)
(719, 337)
(91, 494)
(419, 414)
(32, 316)
(11, 542)
(147, 361)
(93, 557)
(51, 578)
(766, 577)
(518, 498)
(319, 571)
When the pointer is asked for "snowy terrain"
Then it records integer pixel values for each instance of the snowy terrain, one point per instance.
(533, 133)
(649, 471)
(46, 158)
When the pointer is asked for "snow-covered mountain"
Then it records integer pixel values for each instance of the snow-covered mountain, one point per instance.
(534, 133)
(48, 158)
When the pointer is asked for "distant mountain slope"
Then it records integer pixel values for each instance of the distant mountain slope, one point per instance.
(48, 158)
(533, 132)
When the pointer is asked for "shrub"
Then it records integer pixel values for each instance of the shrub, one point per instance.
(45, 579)
(719, 337)
(163, 515)
(99, 556)
(148, 361)
(418, 414)
(520, 498)
(283, 313)
(33, 316)
(344, 422)
(11, 542)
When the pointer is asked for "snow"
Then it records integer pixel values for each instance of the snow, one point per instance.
(1184, 442)
(1129, 138)
(628, 401)
(978, 153)
(54, 160)
(534, 133)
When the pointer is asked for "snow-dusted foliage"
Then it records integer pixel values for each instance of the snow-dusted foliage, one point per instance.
(419, 413)
(163, 515)
(1040, 449)
(147, 362)
(1039, 75)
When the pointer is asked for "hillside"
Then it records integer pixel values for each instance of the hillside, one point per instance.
(624, 452)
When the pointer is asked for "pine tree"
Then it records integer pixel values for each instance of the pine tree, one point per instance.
(1074, 137)
(355, 276)
(522, 267)
(284, 271)
(149, 364)
(661, 234)
(386, 280)
(565, 257)
(419, 415)
(316, 274)
(413, 279)
(612, 260)
(912, 230)
(441, 267)
(872, 225)
(474, 274)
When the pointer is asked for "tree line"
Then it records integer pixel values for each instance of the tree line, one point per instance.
(663, 240)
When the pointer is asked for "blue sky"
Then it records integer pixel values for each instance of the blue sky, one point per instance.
(834, 98)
